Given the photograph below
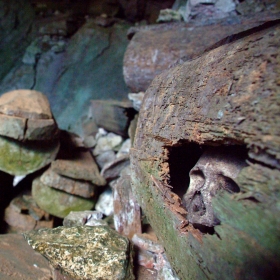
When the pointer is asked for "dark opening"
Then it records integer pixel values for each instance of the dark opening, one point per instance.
(181, 160)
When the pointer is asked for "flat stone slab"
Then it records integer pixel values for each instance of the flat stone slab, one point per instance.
(71, 186)
(56, 202)
(19, 261)
(23, 214)
(81, 166)
(113, 169)
(29, 104)
(85, 252)
(26, 115)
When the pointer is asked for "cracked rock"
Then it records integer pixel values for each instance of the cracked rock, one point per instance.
(26, 115)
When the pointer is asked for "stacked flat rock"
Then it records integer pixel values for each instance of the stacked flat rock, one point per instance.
(23, 214)
(28, 132)
(71, 180)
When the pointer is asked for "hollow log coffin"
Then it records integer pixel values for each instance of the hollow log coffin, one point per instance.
(227, 97)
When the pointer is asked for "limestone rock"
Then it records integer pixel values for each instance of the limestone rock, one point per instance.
(104, 203)
(124, 149)
(23, 214)
(66, 184)
(21, 158)
(80, 166)
(127, 213)
(26, 115)
(112, 170)
(111, 141)
(81, 218)
(156, 48)
(19, 261)
(169, 15)
(228, 96)
(85, 252)
(58, 203)
(104, 158)
(136, 99)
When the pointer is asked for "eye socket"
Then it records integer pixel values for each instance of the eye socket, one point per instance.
(228, 184)
(197, 177)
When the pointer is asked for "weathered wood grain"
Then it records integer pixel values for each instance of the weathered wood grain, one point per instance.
(228, 96)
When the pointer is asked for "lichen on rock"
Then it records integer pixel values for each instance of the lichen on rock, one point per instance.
(85, 252)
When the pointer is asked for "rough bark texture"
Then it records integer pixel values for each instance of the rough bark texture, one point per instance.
(228, 96)
(155, 48)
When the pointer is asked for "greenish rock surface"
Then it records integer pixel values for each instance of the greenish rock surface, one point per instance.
(85, 252)
(89, 68)
(56, 202)
(16, 20)
(21, 158)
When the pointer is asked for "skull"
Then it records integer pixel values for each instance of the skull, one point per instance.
(215, 171)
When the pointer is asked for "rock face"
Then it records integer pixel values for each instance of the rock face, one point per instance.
(77, 73)
(154, 49)
(85, 252)
(229, 96)
(16, 20)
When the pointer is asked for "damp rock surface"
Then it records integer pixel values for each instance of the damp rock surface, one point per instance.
(56, 202)
(21, 158)
(85, 252)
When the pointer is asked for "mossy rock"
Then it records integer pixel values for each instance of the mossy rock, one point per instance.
(58, 203)
(20, 158)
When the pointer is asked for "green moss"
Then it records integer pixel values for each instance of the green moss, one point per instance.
(20, 158)
(58, 203)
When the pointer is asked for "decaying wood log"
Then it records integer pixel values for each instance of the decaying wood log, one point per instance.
(228, 96)
(153, 49)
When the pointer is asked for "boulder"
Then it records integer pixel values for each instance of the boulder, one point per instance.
(85, 252)
(154, 49)
(227, 98)
(56, 202)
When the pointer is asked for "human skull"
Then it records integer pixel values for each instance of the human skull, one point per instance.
(215, 170)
